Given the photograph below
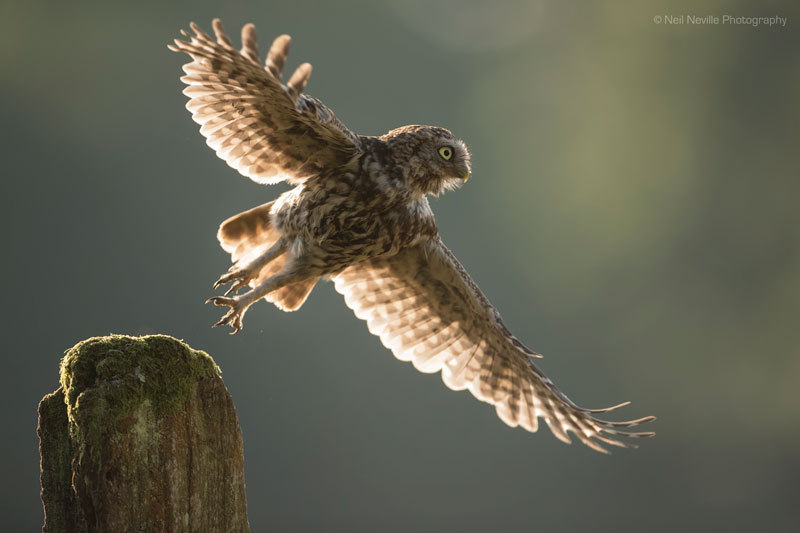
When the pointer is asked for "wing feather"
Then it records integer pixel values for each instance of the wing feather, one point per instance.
(267, 131)
(427, 310)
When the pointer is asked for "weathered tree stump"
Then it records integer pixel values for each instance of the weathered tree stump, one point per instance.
(141, 436)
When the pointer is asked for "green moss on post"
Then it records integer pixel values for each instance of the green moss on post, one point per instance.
(151, 437)
(56, 453)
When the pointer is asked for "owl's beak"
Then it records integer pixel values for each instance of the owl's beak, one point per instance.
(464, 174)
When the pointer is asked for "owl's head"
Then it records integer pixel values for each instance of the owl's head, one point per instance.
(431, 159)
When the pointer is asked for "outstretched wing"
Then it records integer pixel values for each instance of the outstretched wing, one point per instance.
(426, 309)
(267, 131)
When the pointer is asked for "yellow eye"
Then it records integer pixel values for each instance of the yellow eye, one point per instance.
(446, 152)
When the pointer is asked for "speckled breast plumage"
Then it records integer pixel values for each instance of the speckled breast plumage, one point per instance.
(358, 214)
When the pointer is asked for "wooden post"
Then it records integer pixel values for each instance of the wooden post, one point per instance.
(141, 436)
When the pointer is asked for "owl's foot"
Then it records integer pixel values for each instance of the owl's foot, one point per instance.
(232, 318)
(240, 276)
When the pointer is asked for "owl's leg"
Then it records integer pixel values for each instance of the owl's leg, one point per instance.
(242, 275)
(292, 272)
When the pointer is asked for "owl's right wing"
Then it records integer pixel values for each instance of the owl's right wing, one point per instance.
(426, 309)
(268, 131)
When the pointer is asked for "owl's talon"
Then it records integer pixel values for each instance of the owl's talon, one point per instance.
(238, 285)
(233, 317)
(240, 276)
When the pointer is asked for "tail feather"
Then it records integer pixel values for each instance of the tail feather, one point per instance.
(249, 234)
(291, 297)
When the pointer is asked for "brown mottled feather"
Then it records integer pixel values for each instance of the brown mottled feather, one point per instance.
(267, 131)
(250, 228)
(427, 310)
(249, 234)
(278, 53)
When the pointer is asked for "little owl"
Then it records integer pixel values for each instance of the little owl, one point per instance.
(359, 215)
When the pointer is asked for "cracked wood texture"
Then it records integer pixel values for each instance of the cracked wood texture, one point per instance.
(142, 435)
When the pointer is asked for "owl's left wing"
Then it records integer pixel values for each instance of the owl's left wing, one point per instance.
(426, 309)
(266, 130)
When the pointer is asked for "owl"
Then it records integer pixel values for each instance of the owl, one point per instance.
(358, 215)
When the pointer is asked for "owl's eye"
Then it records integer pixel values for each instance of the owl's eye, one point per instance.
(446, 152)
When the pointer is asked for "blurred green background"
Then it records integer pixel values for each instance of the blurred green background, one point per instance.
(633, 213)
